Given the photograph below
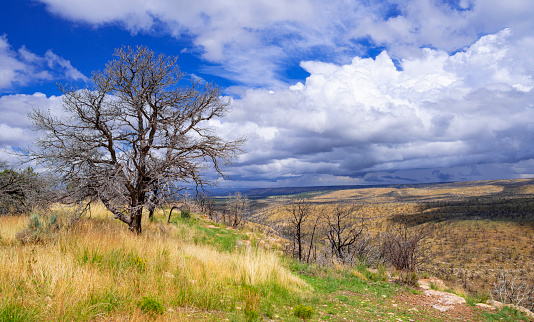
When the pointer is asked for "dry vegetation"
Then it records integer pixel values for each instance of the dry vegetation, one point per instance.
(482, 228)
(97, 269)
(94, 269)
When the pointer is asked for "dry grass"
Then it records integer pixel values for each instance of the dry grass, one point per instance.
(485, 227)
(10, 225)
(98, 269)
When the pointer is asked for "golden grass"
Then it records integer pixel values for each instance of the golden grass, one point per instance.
(382, 195)
(484, 227)
(99, 269)
(10, 225)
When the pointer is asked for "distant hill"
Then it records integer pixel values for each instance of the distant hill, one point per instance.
(282, 191)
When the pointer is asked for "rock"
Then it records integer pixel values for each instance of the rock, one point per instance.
(485, 306)
(441, 308)
(527, 312)
(445, 300)
(496, 304)
(426, 283)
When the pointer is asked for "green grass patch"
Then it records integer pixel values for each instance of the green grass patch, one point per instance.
(505, 314)
(149, 305)
(10, 312)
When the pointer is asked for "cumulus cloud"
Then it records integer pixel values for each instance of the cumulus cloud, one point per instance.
(21, 67)
(15, 127)
(370, 121)
(253, 41)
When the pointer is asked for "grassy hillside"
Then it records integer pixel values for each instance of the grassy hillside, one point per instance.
(94, 269)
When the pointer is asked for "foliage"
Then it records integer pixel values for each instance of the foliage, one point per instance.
(14, 313)
(150, 305)
(185, 213)
(40, 229)
(303, 312)
(506, 314)
(22, 190)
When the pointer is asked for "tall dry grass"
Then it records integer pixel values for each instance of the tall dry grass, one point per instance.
(98, 269)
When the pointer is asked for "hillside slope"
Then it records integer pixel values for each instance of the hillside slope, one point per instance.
(191, 269)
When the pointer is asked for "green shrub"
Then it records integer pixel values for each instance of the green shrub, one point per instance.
(150, 305)
(303, 312)
(40, 229)
(186, 214)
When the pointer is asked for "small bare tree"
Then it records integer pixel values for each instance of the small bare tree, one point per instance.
(299, 213)
(401, 245)
(514, 289)
(207, 205)
(236, 209)
(135, 130)
(343, 233)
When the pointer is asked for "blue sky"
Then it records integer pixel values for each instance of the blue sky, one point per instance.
(342, 92)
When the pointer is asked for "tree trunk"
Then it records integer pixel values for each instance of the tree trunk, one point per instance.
(151, 211)
(135, 223)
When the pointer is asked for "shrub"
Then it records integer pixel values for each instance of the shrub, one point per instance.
(186, 213)
(39, 229)
(303, 312)
(401, 246)
(150, 305)
(514, 289)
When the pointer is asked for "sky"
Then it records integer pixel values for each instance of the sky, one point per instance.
(326, 92)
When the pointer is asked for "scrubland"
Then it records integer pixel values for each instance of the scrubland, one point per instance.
(94, 269)
(480, 230)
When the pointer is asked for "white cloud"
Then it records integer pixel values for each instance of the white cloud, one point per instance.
(251, 40)
(440, 111)
(14, 124)
(23, 67)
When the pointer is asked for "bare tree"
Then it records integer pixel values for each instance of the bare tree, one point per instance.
(236, 209)
(514, 289)
(401, 245)
(207, 205)
(135, 129)
(342, 231)
(300, 212)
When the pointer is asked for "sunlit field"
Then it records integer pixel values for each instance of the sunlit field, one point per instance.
(481, 229)
(95, 268)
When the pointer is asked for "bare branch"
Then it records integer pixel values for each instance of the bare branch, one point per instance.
(136, 133)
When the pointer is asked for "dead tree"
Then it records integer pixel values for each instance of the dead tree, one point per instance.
(299, 213)
(515, 289)
(207, 205)
(401, 245)
(136, 128)
(236, 209)
(342, 232)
